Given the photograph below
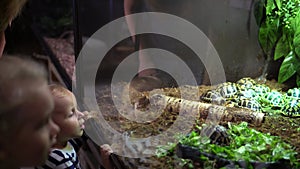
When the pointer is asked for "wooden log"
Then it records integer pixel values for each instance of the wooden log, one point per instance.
(205, 110)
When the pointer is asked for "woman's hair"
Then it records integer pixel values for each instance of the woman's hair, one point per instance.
(9, 10)
(16, 75)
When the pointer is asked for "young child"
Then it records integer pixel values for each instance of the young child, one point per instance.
(71, 122)
(26, 129)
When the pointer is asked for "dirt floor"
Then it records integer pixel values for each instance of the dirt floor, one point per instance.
(121, 119)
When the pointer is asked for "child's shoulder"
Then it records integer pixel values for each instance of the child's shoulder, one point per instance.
(69, 148)
(58, 156)
(76, 143)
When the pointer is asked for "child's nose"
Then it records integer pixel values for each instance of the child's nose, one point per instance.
(79, 114)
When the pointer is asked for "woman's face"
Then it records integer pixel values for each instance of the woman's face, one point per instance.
(35, 135)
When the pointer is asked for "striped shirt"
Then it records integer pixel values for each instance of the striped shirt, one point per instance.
(65, 158)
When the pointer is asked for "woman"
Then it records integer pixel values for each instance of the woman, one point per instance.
(9, 10)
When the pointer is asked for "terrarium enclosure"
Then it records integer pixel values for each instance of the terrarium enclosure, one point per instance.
(142, 126)
(189, 84)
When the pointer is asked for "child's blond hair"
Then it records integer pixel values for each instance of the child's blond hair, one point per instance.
(59, 91)
(9, 10)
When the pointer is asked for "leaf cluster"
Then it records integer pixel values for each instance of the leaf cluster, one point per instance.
(279, 34)
(246, 144)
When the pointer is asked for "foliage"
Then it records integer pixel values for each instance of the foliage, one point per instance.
(53, 16)
(169, 150)
(246, 144)
(56, 25)
(279, 34)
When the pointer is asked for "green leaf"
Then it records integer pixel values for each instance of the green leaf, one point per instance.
(261, 147)
(287, 68)
(259, 11)
(270, 6)
(296, 28)
(298, 81)
(297, 65)
(267, 37)
(296, 41)
(297, 44)
(282, 48)
(278, 4)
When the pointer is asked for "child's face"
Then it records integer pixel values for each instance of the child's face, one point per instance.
(35, 135)
(68, 118)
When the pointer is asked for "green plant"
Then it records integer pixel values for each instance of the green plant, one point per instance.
(279, 34)
(53, 17)
(246, 144)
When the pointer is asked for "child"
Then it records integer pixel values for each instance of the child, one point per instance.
(26, 129)
(71, 122)
(9, 10)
